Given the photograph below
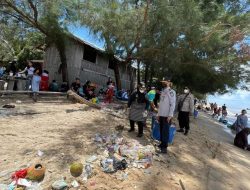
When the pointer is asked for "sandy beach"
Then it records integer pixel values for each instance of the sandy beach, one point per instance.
(204, 160)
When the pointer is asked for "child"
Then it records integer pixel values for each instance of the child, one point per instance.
(35, 83)
(109, 94)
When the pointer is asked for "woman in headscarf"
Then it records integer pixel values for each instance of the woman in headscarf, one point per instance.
(241, 139)
(137, 104)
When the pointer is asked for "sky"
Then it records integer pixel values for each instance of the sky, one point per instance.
(84, 33)
(235, 101)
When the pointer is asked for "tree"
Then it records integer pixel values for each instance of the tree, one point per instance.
(174, 37)
(47, 17)
(18, 43)
(121, 24)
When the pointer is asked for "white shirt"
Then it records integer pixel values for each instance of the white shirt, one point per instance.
(30, 70)
(167, 103)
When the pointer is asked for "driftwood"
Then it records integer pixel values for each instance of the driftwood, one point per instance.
(81, 100)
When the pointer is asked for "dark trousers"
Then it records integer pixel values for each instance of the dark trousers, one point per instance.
(164, 132)
(140, 126)
(183, 118)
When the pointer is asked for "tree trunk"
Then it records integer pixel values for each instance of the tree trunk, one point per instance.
(117, 76)
(63, 66)
(138, 72)
(131, 78)
(151, 74)
(146, 74)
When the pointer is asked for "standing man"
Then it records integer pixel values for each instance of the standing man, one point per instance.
(185, 107)
(166, 112)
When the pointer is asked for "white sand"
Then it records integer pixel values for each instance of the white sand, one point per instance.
(206, 159)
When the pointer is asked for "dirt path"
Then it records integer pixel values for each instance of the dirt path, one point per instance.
(206, 159)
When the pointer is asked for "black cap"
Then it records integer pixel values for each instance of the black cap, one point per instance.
(166, 78)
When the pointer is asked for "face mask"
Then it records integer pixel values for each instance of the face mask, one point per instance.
(141, 91)
(186, 91)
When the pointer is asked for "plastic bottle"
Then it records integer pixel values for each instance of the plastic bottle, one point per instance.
(88, 170)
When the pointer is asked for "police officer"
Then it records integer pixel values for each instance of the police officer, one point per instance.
(166, 112)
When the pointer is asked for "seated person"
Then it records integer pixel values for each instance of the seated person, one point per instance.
(64, 87)
(76, 85)
(81, 92)
(109, 94)
(90, 92)
(241, 140)
(86, 86)
(53, 87)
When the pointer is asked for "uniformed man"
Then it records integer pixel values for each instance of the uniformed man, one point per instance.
(166, 112)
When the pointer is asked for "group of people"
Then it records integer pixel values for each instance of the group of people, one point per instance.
(87, 90)
(165, 105)
(218, 111)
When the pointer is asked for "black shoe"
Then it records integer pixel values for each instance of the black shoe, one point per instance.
(131, 130)
(164, 151)
(159, 146)
(139, 135)
(180, 130)
(186, 132)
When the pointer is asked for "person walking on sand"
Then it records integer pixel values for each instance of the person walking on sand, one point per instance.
(166, 112)
(241, 121)
(137, 104)
(185, 107)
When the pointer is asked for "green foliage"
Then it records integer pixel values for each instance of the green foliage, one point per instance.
(193, 41)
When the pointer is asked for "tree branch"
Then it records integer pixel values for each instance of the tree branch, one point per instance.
(29, 20)
(33, 7)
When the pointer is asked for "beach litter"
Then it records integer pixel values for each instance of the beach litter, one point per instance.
(76, 169)
(59, 185)
(120, 153)
(40, 153)
(75, 184)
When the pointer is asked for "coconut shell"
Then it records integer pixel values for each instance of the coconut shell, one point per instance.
(76, 169)
(36, 172)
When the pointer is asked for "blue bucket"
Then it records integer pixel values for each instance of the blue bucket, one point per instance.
(156, 131)
(196, 113)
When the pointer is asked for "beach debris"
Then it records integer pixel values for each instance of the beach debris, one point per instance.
(23, 182)
(107, 165)
(9, 106)
(88, 171)
(92, 159)
(75, 184)
(120, 165)
(76, 169)
(59, 185)
(19, 174)
(36, 172)
(18, 101)
(40, 153)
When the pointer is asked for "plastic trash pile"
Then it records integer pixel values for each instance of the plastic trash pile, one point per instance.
(27, 178)
(115, 155)
(119, 153)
